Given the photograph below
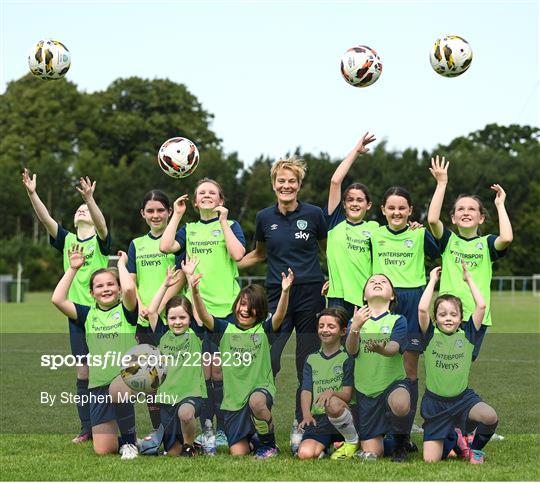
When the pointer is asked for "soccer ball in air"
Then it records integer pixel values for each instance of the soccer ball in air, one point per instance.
(450, 56)
(143, 370)
(49, 59)
(361, 66)
(178, 157)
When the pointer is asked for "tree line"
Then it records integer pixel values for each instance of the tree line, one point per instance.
(113, 136)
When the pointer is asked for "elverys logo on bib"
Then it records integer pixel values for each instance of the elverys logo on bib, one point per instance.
(408, 243)
(301, 224)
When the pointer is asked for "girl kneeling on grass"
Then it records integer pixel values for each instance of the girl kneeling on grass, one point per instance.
(327, 387)
(248, 382)
(110, 330)
(376, 339)
(181, 340)
(448, 402)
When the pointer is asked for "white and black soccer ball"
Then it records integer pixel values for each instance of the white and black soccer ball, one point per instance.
(143, 369)
(49, 59)
(450, 56)
(178, 157)
(361, 66)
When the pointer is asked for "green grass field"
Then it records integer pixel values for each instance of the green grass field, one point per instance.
(35, 439)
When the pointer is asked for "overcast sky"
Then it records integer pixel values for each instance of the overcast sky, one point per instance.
(269, 71)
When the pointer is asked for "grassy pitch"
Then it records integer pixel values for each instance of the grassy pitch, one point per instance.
(35, 439)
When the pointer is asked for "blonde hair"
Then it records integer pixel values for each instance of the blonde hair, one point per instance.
(296, 165)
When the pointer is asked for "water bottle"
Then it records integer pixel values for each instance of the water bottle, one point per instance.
(209, 439)
(296, 437)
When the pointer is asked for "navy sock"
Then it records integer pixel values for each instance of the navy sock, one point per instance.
(84, 409)
(484, 432)
(208, 406)
(449, 444)
(125, 418)
(218, 399)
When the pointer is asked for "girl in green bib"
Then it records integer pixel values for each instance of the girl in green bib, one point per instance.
(110, 324)
(148, 266)
(218, 243)
(244, 344)
(376, 339)
(179, 339)
(93, 235)
(399, 251)
(348, 250)
(468, 245)
(448, 402)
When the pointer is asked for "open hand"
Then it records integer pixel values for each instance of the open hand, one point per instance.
(500, 197)
(439, 169)
(287, 280)
(76, 257)
(29, 182)
(366, 139)
(86, 188)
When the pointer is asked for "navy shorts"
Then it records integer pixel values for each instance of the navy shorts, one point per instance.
(373, 413)
(443, 414)
(337, 302)
(171, 421)
(478, 342)
(103, 412)
(325, 432)
(408, 300)
(77, 339)
(238, 424)
(209, 344)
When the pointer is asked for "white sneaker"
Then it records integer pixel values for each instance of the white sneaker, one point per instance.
(128, 451)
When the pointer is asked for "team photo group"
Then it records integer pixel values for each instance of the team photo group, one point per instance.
(359, 331)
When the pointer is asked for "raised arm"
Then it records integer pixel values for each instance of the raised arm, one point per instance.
(439, 170)
(255, 256)
(171, 278)
(129, 289)
(60, 294)
(425, 300)
(479, 302)
(353, 337)
(168, 244)
(234, 246)
(173, 290)
(86, 190)
(42, 213)
(334, 194)
(188, 267)
(283, 304)
(505, 227)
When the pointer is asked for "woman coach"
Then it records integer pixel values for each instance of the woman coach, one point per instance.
(290, 234)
